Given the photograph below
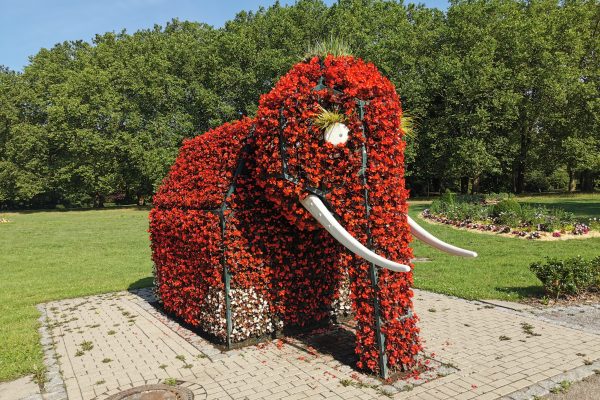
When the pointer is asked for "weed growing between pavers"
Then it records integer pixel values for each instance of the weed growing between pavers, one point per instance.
(170, 381)
(86, 345)
(562, 387)
(528, 330)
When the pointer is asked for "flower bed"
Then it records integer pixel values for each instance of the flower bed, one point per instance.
(508, 217)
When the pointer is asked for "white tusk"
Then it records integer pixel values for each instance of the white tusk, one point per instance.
(315, 206)
(431, 240)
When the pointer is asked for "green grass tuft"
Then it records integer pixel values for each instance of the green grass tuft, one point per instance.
(334, 46)
(327, 118)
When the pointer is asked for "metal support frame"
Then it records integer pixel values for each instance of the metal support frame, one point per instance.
(226, 283)
(223, 221)
(380, 337)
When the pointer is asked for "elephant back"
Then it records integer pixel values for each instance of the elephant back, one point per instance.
(204, 169)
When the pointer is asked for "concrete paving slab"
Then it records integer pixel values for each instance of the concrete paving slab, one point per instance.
(19, 389)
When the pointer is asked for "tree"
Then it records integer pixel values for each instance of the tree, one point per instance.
(581, 155)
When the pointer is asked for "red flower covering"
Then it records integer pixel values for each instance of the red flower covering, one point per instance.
(231, 203)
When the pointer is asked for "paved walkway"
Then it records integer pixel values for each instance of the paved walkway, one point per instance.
(108, 343)
(23, 388)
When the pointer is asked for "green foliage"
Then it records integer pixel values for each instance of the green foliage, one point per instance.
(448, 198)
(505, 94)
(507, 206)
(506, 211)
(595, 265)
(326, 118)
(571, 276)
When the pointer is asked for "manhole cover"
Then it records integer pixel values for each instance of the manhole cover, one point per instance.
(154, 392)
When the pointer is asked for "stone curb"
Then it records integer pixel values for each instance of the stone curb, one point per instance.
(543, 388)
(54, 388)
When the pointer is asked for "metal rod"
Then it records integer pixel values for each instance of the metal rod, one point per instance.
(383, 365)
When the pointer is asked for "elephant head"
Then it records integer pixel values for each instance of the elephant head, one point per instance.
(351, 171)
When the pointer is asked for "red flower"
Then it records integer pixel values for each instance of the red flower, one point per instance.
(230, 202)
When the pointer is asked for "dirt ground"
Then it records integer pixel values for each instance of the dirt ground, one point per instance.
(587, 389)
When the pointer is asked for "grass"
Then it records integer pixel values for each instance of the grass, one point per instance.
(583, 205)
(50, 255)
(333, 45)
(327, 118)
(501, 270)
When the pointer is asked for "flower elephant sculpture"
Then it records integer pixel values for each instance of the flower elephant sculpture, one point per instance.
(273, 222)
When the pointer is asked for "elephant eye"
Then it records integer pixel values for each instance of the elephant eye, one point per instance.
(336, 133)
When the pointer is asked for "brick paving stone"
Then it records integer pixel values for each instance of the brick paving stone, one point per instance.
(144, 345)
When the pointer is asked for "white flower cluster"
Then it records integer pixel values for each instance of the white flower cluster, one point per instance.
(212, 317)
(250, 315)
(342, 306)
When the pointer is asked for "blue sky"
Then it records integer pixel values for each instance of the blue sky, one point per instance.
(28, 25)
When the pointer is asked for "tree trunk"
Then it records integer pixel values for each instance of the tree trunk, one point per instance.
(464, 184)
(475, 185)
(587, 181)
(570, 187)
(522, 159)
(99, 201)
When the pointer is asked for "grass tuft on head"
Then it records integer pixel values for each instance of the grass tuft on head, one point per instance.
(335, 46)
(326, 118)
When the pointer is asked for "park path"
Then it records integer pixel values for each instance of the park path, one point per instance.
(108, 343)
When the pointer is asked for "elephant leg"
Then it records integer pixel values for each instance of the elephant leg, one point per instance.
(247, 260)
(306, 276)
(383, 313)
(187, 251)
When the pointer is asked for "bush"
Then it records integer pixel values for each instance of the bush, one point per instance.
(506, 206)
(567, 277)
(448, 197)
(491, 197)
(596, 268)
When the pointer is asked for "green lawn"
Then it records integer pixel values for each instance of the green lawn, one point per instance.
(501, 270)
(49, 255)
(583, 205)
